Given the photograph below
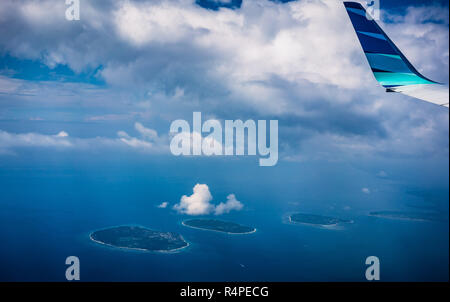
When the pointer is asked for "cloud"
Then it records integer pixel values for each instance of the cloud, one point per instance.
(231, 204)
(146, 132)
(12, 140)
(37, 118)
(62, 134)
(208, 144)
(163, 205)
(149, 141)
(418, 33)
(134, 142)
(109, 117)
(263, 60)
(365, 190)
(199, 203)
(138, 42)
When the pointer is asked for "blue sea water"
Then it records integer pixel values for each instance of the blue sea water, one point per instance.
(51, 202)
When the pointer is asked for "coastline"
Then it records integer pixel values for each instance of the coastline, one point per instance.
(319, 225)
(136, 248)
(401, 218)
(229, 233)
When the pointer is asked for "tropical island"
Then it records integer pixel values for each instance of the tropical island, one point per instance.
(316, 219)
(218, 226)
(417, 216)
(139, 238)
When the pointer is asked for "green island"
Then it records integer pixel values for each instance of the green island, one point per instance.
(218, 226)
(139, 238)
(417, 216)
(316, 219)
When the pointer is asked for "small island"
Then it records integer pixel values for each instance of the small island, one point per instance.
(218, 226)
(416, 216)
(139, 238)
(316, 219)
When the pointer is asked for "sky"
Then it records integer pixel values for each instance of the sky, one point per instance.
(85, 114)
(116, 79)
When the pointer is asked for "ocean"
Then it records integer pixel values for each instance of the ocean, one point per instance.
(50, 202)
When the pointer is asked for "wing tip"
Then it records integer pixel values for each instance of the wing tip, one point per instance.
(352, 4)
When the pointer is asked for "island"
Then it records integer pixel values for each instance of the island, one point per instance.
(417, 216)
(139, 238)
(218, 226)
(316, 219)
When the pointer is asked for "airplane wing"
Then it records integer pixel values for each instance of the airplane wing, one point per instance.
(389, 66)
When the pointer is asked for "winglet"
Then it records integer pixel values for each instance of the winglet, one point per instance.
(389, 66)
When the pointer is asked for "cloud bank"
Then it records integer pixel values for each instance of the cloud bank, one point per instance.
(10, 141)
(299, 62)
(148, 142)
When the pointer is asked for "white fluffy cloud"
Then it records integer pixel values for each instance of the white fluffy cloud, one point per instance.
(62, 134)
(299, 62)
(243, 50)
(163, 205)
(149, 141)
(365, 190)
(199, 203)
(196, 204)
(295, 45)
(146, 132)
(231, 204)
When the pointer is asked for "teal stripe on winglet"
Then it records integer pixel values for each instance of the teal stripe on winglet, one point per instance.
(391, 56)
(373, 35)
(387, 63)
(357, 11)
(397, 79)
